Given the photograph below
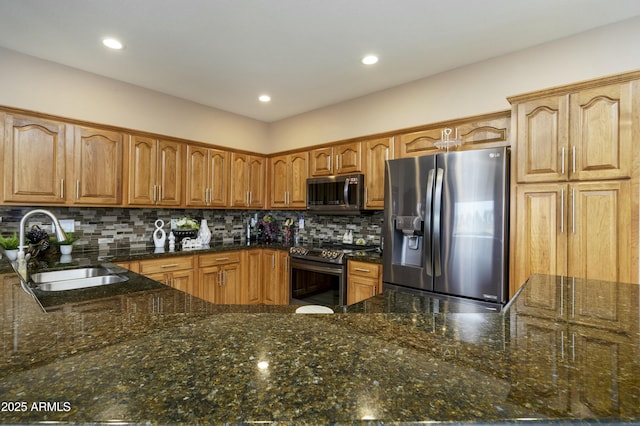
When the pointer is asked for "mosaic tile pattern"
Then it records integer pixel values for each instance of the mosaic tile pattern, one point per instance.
(134, 226)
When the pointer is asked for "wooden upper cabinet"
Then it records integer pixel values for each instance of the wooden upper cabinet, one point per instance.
(97, 167)
(34, 160)
(601, 132)
(247, 180)
(483, 131)
(376, 153)
(542, 139)
(335, 160)
(584, 135)
(154, 172)
(207, 177)
(419, 143)
(289, 180)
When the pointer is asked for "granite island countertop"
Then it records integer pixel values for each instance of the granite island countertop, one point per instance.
(562, 350)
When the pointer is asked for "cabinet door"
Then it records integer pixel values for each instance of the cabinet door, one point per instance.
(279, 167)
(321, 162)
(542, 140)
(183, 281)
(209, 280)
(377, 152)
(169, 173)
(229, 290)
(299, 168)
(141, 164)
(541, 227)
(601, 132)
(239, 184)
(416, 144)
(34, 160)
(599, 234)
(257, 175)
(360, 288)
(197, 180)
(251, 291)
(97, 166)
(270, 277)
(348, 158)
(219, 178)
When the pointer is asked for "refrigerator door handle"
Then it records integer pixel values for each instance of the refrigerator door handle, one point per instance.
(437, 220)
(427, 225)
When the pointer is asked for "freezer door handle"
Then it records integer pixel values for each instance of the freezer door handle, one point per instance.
(437, 221)
(427, 225)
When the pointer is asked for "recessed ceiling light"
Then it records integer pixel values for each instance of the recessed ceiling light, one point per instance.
(370, 59)
(112, 43)
(264, 98)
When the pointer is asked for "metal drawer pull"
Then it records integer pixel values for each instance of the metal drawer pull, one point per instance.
(171, 265)
(221, 258)
(362, 270)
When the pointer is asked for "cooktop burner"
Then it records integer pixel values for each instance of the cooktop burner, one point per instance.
(328, 252)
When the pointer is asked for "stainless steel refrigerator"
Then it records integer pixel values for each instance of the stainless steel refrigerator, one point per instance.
(446, 224)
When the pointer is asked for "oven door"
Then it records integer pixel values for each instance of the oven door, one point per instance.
(317, 283)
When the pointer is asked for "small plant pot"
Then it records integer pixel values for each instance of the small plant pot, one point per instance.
(66, 249)
(12, 254)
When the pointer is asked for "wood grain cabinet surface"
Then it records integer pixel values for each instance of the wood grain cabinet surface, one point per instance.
(364, 280)
(153, 171)
(248, 176)
(574, 206)
(288, 178)
(34, 160)
(336, 159)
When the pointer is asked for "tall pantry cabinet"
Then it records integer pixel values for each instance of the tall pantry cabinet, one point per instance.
(575, 181)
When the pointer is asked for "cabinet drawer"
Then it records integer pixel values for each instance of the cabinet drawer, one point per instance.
(363, 269)
(221, 258)
(166, 264)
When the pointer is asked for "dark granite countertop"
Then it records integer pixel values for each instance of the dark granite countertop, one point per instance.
(141, 352)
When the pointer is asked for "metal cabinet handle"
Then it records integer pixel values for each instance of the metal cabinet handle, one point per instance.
(61, 188)
(362, 270)
(170, 265)
(77, 189)
(562, 160)
(220, 259)
(562, 211)
(573, 159)
(573, 210)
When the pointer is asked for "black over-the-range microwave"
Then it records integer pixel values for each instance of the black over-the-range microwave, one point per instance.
(336, 194)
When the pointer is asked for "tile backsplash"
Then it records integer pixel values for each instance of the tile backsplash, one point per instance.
(121, 227)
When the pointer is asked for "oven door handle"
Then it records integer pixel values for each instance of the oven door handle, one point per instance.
(316, 268)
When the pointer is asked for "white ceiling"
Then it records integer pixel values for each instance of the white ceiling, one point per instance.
(304, 53)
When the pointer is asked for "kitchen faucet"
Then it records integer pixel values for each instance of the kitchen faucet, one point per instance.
(60, 235)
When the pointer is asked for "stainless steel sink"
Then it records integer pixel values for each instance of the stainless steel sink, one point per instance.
(68, 274)
(79, 283)
(74, 279)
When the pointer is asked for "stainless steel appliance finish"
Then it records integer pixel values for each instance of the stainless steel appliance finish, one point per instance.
(319, 273)
(336, 194)
(446, 224)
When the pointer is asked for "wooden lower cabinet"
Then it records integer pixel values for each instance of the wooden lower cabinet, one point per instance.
(364, 280)
(267, 277)
(275, 278)
(579, 229)
(176, 272)
(219, 278)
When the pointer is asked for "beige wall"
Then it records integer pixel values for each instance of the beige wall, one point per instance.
(475, 89)
(480, 88)
(47, 87)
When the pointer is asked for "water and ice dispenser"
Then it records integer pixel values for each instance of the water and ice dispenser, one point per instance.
(409, 230)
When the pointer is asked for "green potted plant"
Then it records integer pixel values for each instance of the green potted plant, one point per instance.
(66, 246)
(10, 246)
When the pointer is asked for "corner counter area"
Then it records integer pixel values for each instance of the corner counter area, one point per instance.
(143, 352)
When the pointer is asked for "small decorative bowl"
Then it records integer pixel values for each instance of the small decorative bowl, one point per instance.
(184, 233)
